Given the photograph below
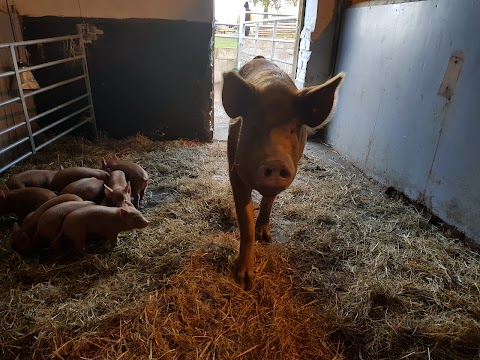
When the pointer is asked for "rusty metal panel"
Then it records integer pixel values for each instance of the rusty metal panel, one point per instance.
(408, 109)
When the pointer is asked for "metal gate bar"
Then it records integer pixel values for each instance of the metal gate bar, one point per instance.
(24, 95)
(274, 24)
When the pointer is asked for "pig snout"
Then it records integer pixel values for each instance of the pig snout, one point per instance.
(273, 176)
(140, 222)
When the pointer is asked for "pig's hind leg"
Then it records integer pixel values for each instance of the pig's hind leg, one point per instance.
(78, 239)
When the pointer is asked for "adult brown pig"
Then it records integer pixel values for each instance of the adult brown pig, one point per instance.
(89, 189)
(266, 142)
(137, 176)
(31, 178)
(117, 191)
(50, 222)
(100, 222)
(23, 236)
(22, 202)
(68, 175)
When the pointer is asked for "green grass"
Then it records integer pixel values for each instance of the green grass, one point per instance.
(221, 42)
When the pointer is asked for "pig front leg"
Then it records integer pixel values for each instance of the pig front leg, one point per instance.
(136, 200)
(112, 239)
(242, 195)
(262, 227)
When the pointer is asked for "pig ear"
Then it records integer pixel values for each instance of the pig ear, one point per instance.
(15, 228)
(128, 188)
(2, 194)
(317, 103)
(108, 190)
(115, 156)
(104, 162)
(236, 94)
(123, 212)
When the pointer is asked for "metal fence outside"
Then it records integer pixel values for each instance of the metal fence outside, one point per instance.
(274, 37)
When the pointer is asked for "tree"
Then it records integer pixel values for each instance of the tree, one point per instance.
(277, 4)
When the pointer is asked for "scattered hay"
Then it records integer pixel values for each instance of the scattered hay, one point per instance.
(201, 313)
(352, 273)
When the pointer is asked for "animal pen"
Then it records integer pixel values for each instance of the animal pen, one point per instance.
(354, 271)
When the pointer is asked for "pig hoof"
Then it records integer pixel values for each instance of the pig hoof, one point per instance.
(262, 234)
(243, 277)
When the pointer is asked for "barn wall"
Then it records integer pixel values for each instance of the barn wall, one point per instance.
(190, 10)
(150, 62)
(393, 123)
(321, 46)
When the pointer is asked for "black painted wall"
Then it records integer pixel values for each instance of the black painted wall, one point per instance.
(148, 76)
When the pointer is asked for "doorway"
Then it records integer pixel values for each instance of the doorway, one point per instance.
(245, 29)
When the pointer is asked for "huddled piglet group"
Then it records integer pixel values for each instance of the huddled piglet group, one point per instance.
(68, 207)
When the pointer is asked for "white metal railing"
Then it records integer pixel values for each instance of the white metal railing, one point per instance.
(260, 32)
(264, 31)
(35, 144)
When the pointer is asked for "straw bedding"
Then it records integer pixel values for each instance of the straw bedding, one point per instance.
(351, 274)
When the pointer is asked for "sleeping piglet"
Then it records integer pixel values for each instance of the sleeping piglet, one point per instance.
(23, 236)
(102, 222)
(31, 178)
(89, 189)
(118, 192)
(137, 176)
(68, 175)
(22, 202)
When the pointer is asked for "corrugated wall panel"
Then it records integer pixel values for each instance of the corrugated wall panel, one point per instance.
(391, 121)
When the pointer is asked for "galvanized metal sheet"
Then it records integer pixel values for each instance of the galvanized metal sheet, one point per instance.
(392, 120)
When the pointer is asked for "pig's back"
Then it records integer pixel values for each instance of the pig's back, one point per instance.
(51, 221)
(68, 175)
(31, 178)
(97, 215)
(59, 212)
(25, 200)
(91, 189)
(263, 73)
(31, 220)
(133, 171)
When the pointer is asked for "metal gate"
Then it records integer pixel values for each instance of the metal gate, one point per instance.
(274, 37)
(80, 109)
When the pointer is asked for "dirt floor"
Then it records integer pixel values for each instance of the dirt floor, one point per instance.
(351, 273)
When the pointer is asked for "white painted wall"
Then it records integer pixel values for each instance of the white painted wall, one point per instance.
(190, 10)
(310, 18)
(316, 42)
